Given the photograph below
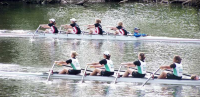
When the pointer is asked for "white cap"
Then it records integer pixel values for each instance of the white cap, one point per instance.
(106, 53)
(73, 19)
(53, 20)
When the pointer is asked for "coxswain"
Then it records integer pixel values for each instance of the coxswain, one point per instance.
(137, 34)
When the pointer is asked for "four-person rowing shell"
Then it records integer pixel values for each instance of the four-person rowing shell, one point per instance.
(139, 72)
(94, 29)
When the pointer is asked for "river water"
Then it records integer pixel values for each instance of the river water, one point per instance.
(23, 55)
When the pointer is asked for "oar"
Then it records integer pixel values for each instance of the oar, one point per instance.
(84, 74)
(51, 70)
(150, 77)
(59, 32)
(117, 74)
(36, 31)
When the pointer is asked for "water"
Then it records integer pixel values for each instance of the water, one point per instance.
(23, 55)
(155, 20)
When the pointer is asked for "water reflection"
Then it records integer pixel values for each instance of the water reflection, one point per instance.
(23, 86)
(41, 53)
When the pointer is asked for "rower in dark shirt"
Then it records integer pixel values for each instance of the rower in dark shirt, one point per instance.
(141, 67)
(106, 62)
(51, 27)
(73, 28)
(119, 30)
(177, 69)
(98, 28)
(73, 61)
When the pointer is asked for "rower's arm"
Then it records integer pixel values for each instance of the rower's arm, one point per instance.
(112, 28)
(97, 66)
(61, 63)
(165, 67)
(45, 26)
(66, 26)
(93, 64)
(129, 64)
(91, 26)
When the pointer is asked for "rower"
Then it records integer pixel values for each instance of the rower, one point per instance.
(73, 28)
(51, 27)
(73, 61)
(137, 34)
(177, 69)
(141, 67)
(194, 77)
(97, 26)
(120, 30)
(106, 62)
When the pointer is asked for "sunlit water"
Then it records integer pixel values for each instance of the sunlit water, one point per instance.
(25, 55)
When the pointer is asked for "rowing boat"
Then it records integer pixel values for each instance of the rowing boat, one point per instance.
(105, 79)
(101, 37)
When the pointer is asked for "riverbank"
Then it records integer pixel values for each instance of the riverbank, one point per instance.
(183, 2)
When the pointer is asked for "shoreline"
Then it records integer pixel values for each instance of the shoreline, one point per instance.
(194, 3)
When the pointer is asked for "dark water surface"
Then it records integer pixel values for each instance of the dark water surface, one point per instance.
(153, 19)
(23, 55)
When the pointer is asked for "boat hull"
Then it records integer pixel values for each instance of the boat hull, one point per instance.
(101, 37)
(104, 79)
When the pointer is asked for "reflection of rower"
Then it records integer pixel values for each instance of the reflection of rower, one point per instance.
(177, 69)
(120, 30)
(97, 26)
(51, 27)
(141, 67)
(107, 63)
(73, 28)
(137, 34)
(73, 61)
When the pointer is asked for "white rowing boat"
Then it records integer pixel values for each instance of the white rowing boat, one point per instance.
(104, 79)
(101, 37)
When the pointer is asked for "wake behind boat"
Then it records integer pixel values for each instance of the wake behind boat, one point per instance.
(100, 37)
